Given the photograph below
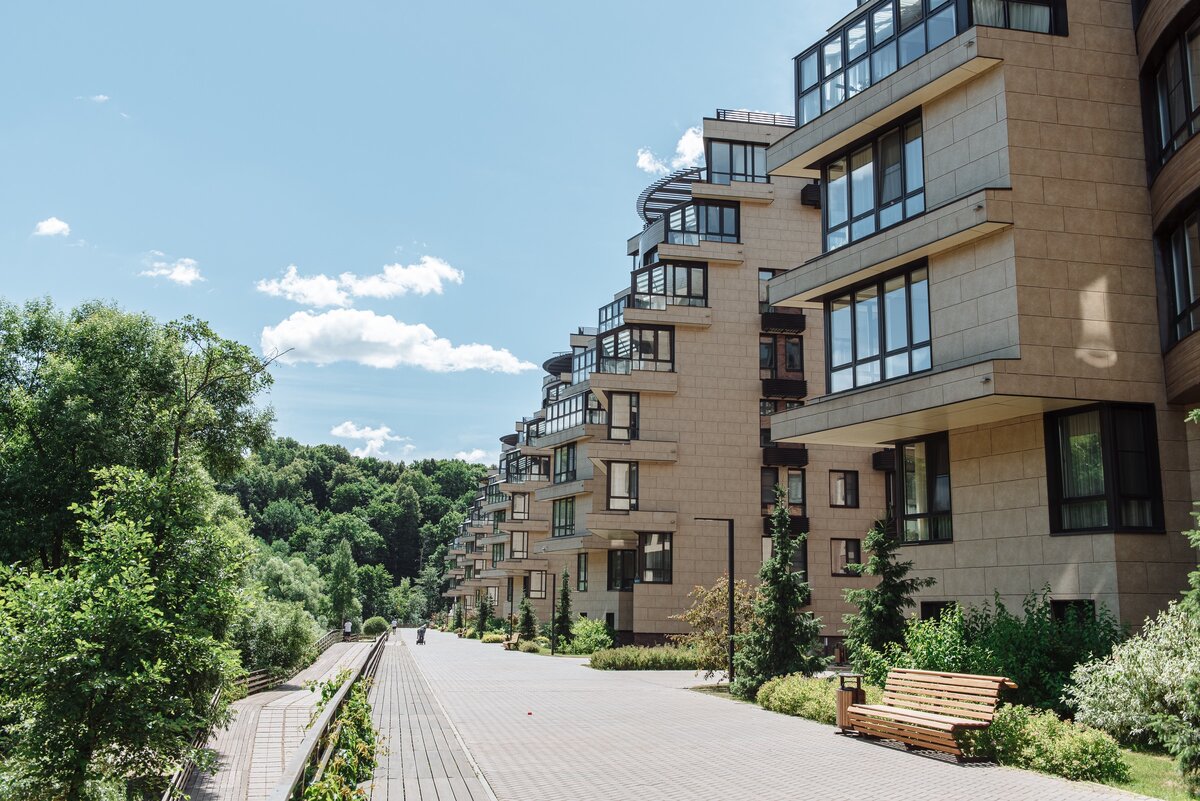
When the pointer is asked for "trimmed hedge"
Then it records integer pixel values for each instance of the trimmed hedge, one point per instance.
(630, 657)
(807, 697)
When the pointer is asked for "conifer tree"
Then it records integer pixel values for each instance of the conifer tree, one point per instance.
(528, 623)
(880, 616)
(786, 639)
(485, 615)
(458, 616)
(562, 616)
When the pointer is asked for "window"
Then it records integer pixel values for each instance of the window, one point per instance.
(622, 486)
(494, 596)
(768, 478)
(610, 620)
(520, 544)
(581, 572)
(879, 331)
(564, 464)
(925, 489)
(1080, 610)
(638, 348)
(1020, 15)
(764, 304)
(800, 560)
(1102, 470)
(613, 315)
(622, 565)
(670, 284)
(874, 186)
(702, 221)
(843, 488)
(766, 408)
(654, 558)
(537, 584)
(583, 363)
(764, 437)
(563, 513)
(520, 506)
(1175, 89)
(931, 610)
(567, 413)
(497, 553)
(736, 161)
(1181, 257)
(766, 356)
(623, 415)
(843, 553)
(793, 354)
(796, 487)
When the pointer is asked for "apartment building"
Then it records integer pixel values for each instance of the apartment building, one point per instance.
(1008, 287)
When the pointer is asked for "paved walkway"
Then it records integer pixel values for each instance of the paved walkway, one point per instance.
(421, 758)
(601, 735)
(266, 729)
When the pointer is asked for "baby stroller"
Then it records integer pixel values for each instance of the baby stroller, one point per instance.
(421, 635)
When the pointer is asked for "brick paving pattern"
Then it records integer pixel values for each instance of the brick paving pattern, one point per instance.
(267, 728)
(610, 735)
(421, 759)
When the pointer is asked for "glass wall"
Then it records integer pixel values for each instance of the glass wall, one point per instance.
(1181, 258)
(670, 284)
(875, 186)
(637, 348)
(612, 315)
(583, 364)
(564, 464)
(702, 221)
(879, 331)
(563, 518)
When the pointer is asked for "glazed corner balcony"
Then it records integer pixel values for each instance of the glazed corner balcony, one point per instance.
(680, 227)
(888, 58)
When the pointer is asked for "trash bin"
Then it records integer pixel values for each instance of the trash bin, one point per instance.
(847, 696)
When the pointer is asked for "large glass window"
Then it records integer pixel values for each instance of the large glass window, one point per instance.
(612, 315)
(1181, 257)
(622, 567)
(796, 487)
(925, 489)
(654, 558)
(537, 584)
(583, 363)
(843, 488)
(564, 464)
(843, 553)
(622, 486)
(638, 348)
(793, 351)
(874, 186)
(879, 331)
(1102, 468)
(520, 544)
(1175, 87)
(563, 514)
(520, 506)
(670, 284)
(568, 412)
(623, 415)
(581, 572)
(891, 34)
(768, 478)
(736, 161)
(703, 221)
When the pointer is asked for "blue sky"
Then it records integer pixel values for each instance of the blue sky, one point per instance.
(440, 175)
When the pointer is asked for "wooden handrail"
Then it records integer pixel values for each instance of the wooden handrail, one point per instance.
(317, 747)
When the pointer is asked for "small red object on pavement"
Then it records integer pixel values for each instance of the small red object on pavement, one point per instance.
(528, 713)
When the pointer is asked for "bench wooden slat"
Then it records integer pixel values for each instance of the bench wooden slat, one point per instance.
(967, 708)
(976, 692)
(964, 676)
(917, 714)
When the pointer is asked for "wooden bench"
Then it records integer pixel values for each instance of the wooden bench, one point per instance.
(512, 642)
(928, 709)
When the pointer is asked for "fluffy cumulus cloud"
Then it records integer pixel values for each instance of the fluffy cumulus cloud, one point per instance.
(99, 98)
(477, 455)
(374, 440)
(315, 290)
(184, 272)
(379, 340)
(52, 226)
(689, 152)
(428, 276)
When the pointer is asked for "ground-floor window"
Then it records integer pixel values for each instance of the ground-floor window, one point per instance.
(654, 558)
(925, 489)
(581, 572)
(537, 584)
(622, 566)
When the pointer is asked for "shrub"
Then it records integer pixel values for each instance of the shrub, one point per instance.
(880, 616)
(354, 753)
(527, 647)
(708, 618)
(527, 623)
(639, 658)
(374, 626)
(542, 641)
(493, 637)
(588, 636)
(1039, 740)
(469, 632)
(807, 697)
(278, 635)
(1147, 691)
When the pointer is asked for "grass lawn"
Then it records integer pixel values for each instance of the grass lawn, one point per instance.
(1153, 775)
(719, 690)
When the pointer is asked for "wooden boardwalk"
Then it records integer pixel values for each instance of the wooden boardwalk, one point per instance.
(421, 758)
(266, 729)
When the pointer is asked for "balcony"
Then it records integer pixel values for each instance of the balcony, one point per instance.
(789, 322)
(799, 525)
(567, 489)
(785, 456)
(657, 313)
(784, 388)
(494, 538)
(636, 450)
(627, 525)
(650, 382)
(580, 542)
(533, 526)
(524, 482)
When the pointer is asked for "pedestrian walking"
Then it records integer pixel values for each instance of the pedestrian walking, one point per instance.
(421, 634)
(393, 625)
(347, 627)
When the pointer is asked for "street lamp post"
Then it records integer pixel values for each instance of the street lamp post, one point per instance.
(728, 521)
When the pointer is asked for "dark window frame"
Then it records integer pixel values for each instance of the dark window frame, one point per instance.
(754, 155)
(1179, 253)
(623, 357)
(834, 555)
(939, 439)
(654, 286)
(624, 433)
(1162, 145)
(1112, 471)
(678, 231)
(932, 610)
(793, 354)
(562, 513)
(851, 489)
(567, 471)
(665, 540)
(536, 594)
(630, 499)
(622, 568)
(581, 572)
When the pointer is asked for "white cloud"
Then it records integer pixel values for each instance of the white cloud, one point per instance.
(374, 439)
(99, 98)
(478, 455)
(422, 278)
(182, 271)
(316, 290)
(52, 227)
(379, 340)
(689, 152)
(429, 275)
